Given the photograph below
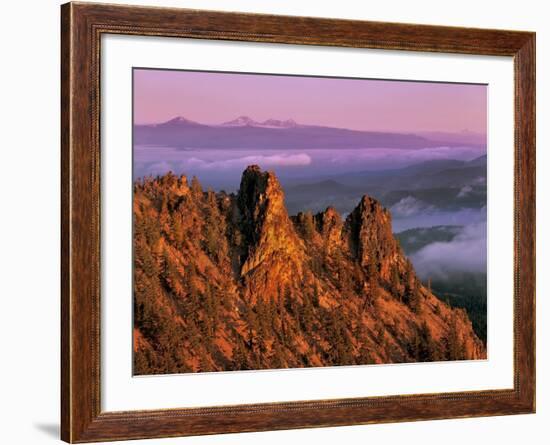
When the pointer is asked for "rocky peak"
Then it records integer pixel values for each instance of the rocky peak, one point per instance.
(179, 121)
(370, 238)
(176, 184)
(328, 219)
(330, 226)
(260, 198)
(265, 223)
(241, 121)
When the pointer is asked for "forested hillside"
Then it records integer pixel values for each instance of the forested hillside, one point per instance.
(232, 282)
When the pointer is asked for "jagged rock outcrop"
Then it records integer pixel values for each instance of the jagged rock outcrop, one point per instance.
(329, 224)
(231, 281)
(274, 251)
(370, 237)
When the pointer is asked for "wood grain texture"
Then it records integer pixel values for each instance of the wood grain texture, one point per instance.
(81, 28)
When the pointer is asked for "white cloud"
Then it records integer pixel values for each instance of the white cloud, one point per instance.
(467, 252)
(409, 206)
(158, 168)
(464, 191)
(396, 157)
(278, 160)
(480, 180)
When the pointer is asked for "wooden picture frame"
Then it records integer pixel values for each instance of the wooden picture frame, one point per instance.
(82, 25)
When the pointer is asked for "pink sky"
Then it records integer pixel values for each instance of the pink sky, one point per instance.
(213, 98)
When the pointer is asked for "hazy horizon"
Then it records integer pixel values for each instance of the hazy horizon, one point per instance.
(358, 104)
(188, 116)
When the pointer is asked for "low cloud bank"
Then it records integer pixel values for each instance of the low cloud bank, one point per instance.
(467, 252)
(410, 206)
(196, 165)
(281, 160)
(465, 191)
(380, 158)
(412, 213)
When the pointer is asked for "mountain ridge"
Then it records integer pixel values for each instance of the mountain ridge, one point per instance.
(232, 281)
(244, 132)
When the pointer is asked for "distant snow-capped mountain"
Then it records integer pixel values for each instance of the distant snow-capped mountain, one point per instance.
(245, 132)
(241, 121)
(245, 121)
(178, 121)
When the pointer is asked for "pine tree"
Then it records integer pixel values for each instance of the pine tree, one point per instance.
(264, 318)
(164, 219)
(309, 225)
(204, 362)
(454, 349)
(253, 327)
(278, 358)
(177, 231)
(196, 187)
(239, 355)
(415, 297)
(372, 268)
(380, 333)
(306, 315)
(193, 335)
(396, 283)
(315, 297)
(211, 307)
(426, 347)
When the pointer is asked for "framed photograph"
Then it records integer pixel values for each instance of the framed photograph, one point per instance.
(275, 222)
